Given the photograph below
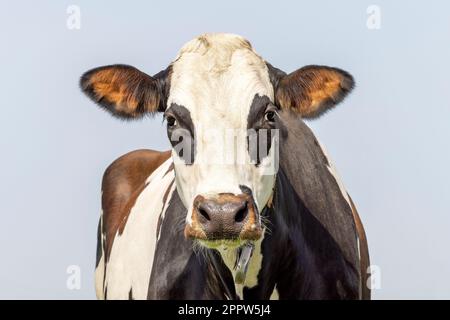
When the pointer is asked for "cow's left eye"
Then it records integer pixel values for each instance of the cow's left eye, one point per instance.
(171, 121)
(270, 116)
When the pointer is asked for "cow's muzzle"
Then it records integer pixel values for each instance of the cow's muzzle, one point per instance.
(224, 217)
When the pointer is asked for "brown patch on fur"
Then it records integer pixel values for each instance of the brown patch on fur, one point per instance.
(123, 181)
(130, 204)
(312, 90)
(123, 90)
(252, 229)
(194, 231)
(364, 252)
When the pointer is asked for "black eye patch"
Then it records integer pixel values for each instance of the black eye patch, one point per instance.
(259, 130)
(181, 132)
(257, 110)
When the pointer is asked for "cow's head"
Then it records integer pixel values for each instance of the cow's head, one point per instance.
(221, 102)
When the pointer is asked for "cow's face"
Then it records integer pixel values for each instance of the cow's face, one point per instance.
(221, 102)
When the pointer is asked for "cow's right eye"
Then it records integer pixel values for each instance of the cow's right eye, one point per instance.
(270, 116)
(171, 121)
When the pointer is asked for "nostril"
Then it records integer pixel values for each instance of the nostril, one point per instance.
(241, 214)
(204, 214)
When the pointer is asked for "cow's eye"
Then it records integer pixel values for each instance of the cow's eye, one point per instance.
(270, 116)
(171, 121)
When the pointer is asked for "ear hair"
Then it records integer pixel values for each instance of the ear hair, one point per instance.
(311, 90)
(275, 75)
(125, 91)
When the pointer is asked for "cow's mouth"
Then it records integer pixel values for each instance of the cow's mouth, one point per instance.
(249, 235)
(227, 243)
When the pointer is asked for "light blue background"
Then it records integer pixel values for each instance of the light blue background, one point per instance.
(389, 140)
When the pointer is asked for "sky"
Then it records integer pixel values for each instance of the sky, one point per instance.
(389, 139)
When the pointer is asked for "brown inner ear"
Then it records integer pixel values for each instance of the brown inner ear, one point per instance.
(323, 90)
(123, 90)
(312, 90)
(112, 85)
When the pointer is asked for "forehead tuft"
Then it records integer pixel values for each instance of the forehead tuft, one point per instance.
(213, 42)
(217, 53)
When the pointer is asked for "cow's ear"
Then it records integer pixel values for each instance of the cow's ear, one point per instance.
(124, 91)
(312, 90)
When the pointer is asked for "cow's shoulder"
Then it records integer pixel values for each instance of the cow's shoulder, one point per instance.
(128, 172)
(123, 181)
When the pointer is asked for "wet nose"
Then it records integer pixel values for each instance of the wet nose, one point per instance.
(225, 216)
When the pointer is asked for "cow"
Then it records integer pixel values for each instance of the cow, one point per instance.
(272, 222)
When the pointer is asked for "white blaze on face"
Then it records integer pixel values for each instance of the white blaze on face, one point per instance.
(216, 78)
